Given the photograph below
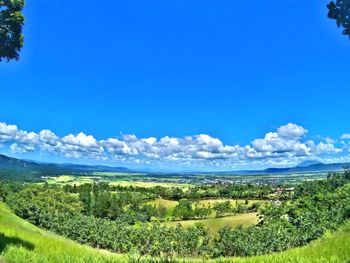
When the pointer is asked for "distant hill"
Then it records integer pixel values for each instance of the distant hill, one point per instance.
(311, 167)
(17, 169)
(94, 168)
(308, 163)
(26, 170)
(304, 167)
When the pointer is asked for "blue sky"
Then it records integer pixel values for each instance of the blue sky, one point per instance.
(232, 70)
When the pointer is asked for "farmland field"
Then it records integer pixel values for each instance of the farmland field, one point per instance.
(182, 179)
(214, 224)
(122, 179)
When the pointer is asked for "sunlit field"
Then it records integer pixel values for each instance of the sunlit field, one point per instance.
(214, 224)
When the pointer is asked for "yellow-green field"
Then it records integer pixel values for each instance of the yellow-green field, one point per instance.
(118, 174)
(206, 203)
(71, 180)
(212, 202)
(171, 204)
(146, 184)
(214, 224)
(78, 180)
(21, 242)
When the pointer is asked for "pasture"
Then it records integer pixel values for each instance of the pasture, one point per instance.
(214, 224)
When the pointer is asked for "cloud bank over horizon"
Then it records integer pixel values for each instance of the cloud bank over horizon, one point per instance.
(288, 145)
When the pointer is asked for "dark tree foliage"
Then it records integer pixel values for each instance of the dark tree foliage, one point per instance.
(11, 23)
(340, 11)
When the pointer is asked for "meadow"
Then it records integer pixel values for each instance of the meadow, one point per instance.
(214, 224)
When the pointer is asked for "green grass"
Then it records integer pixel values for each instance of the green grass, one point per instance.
(214, 224)
(332, 248)
(169, 204)
(21, 242)
(71, 180)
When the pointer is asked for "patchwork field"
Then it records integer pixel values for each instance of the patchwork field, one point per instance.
(181, 179)
(121, 179)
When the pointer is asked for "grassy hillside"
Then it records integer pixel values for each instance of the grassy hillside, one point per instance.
(21, 242)
(333, 248)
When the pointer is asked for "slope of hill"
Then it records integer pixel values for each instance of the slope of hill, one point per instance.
(308, 163)
(25, 170)
(21, 242)
(316, 167)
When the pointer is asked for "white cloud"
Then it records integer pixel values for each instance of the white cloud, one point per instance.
(81, 140)
(287, 145)
(326, 148)
(7, 132)
(345, 136)
(291, 131)
(277, 143)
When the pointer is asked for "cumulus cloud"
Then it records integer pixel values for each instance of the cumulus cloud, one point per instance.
(291, 131)
(345, 136)
(286, 141)
(287, 144)
(7, 132)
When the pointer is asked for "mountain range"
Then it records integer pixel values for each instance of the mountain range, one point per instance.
(27, 170)
(19, 169)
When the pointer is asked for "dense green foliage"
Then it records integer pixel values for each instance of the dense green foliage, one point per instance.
(11, 23)
(21, 242)
(199, 192)
(101, 201)
(186, 210)
(340, 12)
(316, 207)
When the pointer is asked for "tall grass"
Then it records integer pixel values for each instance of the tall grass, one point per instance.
(21, 242)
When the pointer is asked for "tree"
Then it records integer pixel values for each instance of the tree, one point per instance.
(11, 23)
(340, 11)
(222, 208)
